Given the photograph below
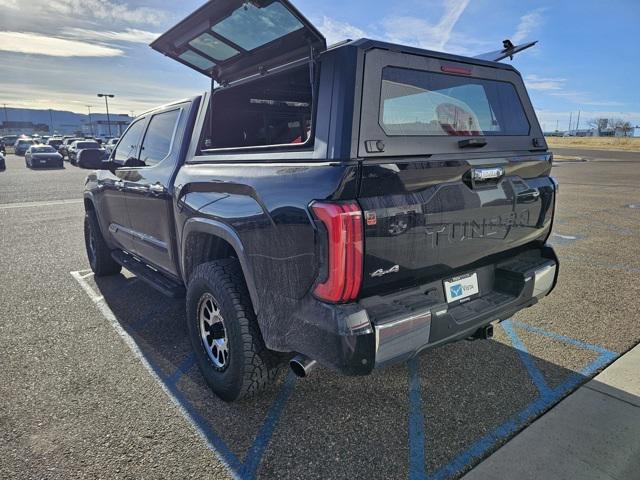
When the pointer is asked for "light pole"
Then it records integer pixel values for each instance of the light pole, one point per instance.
(51, 118)
(90, 121)
(6, 118)
(107, 96)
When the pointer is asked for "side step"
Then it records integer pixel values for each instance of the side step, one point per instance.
(157, 280)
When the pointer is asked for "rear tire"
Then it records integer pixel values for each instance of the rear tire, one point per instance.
(226, 341)
(98, 252)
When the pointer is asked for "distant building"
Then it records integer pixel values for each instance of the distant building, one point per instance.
(587, 132)
(103, 128)
(19, 121)
(19, 127)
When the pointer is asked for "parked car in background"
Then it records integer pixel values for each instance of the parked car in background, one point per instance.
(9, 140)
(111, 144)
(66, 143)
(55, 142)
(42, 156)
(22, 145)
(81, 145)
(3, 163)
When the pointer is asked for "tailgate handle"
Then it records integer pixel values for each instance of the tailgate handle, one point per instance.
(473, 143)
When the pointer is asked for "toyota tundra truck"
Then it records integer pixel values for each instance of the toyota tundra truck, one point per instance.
(351, 206)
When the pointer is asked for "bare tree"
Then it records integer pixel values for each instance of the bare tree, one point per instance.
(623, 125)
(599, 123)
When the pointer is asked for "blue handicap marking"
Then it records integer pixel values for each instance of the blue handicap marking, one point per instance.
(456, 291)
(244, 470)
(547, 396)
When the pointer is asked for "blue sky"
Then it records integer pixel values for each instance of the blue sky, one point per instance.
(59, 53)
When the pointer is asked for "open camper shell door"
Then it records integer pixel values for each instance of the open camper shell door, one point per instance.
(229, 40)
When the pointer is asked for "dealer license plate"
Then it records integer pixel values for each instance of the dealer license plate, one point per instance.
(459, 288)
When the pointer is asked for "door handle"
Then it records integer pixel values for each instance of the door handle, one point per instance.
(157, 189)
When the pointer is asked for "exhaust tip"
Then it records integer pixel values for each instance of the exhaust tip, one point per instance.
(301, 366)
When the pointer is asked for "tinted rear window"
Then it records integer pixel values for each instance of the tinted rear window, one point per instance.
(45, 149)
(87, 145)
(420, 103)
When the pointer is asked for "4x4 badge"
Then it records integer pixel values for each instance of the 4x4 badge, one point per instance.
(381, 272)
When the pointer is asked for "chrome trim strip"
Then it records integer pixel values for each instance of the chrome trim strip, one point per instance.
(544, 281)
(402, 338)
(148, 239)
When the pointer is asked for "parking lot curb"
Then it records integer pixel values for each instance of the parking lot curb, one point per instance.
(591, 434)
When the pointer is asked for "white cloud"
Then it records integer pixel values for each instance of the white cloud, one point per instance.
(535, 82)
(130, 35)
(529, 23)
(417, 31)
(36, 44)
(336, 31)
(585, 99)
(103, 10)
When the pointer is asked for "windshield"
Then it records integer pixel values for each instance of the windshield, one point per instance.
(85, 145)
(433, 104)
(45, 149)
(25, 142)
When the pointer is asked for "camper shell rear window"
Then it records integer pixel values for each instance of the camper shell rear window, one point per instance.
(423, 103)
(429, 104)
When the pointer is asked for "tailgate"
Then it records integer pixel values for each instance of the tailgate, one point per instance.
(454, 167)
(430, 219)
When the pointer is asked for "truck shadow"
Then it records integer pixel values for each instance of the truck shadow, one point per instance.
(435, 417)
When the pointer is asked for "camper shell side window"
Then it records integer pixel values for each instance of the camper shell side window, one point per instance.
(275, 111)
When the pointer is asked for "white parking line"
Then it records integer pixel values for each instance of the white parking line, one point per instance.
(5, 206)
(108, 314)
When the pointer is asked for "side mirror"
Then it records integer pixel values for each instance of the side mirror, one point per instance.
(133, 162)
(92, 160)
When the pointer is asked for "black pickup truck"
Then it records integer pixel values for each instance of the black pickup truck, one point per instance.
(350, 206)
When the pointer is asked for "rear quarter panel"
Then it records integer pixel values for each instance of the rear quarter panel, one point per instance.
(266, 206)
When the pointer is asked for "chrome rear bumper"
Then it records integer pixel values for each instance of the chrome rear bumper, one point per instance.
(398, 339)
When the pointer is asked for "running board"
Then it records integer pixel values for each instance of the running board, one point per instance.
(155, 279)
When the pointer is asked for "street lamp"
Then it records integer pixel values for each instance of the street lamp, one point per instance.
(107, 96)
(51, 118)
(90, 121)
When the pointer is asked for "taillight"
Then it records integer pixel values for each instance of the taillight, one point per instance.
(343, 222)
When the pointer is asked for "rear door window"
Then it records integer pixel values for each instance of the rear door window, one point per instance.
(435, 104)
(130, 143)
(159, 137)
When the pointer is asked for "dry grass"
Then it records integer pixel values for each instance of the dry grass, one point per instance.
(597, 143)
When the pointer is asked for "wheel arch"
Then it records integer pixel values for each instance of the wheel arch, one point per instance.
(205, 240)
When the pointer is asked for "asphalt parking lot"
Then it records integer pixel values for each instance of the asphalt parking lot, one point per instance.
(98, 380)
